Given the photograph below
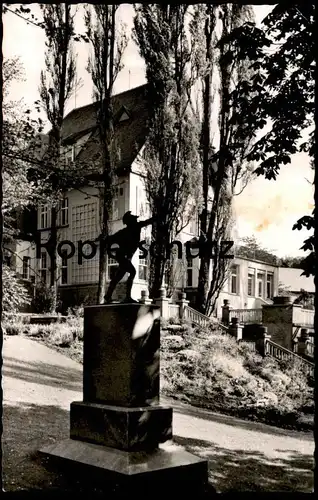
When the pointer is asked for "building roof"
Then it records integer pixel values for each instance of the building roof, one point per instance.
(291, 278)
(130, 135)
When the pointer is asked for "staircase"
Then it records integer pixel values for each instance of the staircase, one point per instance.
(278, 352)
(195, 317)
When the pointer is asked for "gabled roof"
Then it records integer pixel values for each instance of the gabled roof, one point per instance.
(130, 135)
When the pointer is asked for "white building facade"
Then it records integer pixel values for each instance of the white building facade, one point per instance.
(79, 220)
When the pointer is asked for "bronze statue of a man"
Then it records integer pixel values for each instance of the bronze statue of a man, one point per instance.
(127, 240)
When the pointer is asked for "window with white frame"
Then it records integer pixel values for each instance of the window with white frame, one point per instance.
(260, 283)
(43, 267)
(193, 225)
(142, 268)
(115, 211)
(63, 212)
(112, 267)
(147, 209)
(234, 279)
(85, 220)
(69, 154)
(137, 200)
(44, 216)
(269, 285)
(26, 268)
(64, 267)
(119, 202)
(251, 282)
(189, 272)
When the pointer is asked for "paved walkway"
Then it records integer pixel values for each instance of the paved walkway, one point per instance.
(242, 455)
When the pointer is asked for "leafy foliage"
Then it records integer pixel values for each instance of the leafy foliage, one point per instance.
(57, 84)
(294, 262)
(14, 293)
(210, 369)
(280, 95)
(170, 161)
(44, 299)
(104, 65)
(225, 169)
(17, 132)
(250, 248)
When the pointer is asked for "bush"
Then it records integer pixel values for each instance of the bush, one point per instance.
(76, 325)
(77, 311)
(62, 336)
(13, 328)
(14, 293)
(211, 369)
(44, 299)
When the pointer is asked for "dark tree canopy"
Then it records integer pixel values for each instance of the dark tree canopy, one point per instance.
(280, 95)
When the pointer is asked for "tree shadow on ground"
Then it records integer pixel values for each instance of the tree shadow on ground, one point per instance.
(186, 409)
(44, 374)
(28, 428)
(241, 470)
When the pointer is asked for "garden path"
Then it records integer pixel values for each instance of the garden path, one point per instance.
(39, 384)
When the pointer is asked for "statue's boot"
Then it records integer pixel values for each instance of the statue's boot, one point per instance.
(129, 300)
(108, 298)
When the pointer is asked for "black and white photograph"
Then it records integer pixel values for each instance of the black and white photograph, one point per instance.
(158, 250)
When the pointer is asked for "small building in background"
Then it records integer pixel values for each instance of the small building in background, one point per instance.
(300, 288)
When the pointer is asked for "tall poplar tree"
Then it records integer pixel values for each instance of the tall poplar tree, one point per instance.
(57, 84)
(170, 162)
(223, 149)
(104, 65)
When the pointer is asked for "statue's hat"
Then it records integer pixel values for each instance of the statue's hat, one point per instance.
(127, 216)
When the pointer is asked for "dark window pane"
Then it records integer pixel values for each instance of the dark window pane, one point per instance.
(189, 277)
(64, 275)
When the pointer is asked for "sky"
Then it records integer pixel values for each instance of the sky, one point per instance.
(265, 209)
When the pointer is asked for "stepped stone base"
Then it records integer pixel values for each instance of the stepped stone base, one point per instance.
(166, 467)
(140, 428)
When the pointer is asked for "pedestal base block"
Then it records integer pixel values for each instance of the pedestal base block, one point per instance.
(125, 428)
(165, 467)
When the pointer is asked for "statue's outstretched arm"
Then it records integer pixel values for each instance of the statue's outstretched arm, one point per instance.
(146, 222)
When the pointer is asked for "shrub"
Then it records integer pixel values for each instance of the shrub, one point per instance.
(13, 328)
(208, 368)
(77, 311)
(40, 331)
(62, 336)
(76, 325)
(14, 293)
(174, 321)
(43, 300)
(173, 343)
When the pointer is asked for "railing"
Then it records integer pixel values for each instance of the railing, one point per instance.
(245, 316)
(173, 310)
(250, 343)
(195, 316)
(260, 300)
(303, 317)
(277, 351)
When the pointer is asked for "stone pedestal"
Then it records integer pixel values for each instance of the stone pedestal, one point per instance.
(121, 354)
(141, 428)
(162, 471)
(118, 429)
(236, 329)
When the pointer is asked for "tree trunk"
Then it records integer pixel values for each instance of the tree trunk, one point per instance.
(53, 268)
(204, 271)
(106, 207)
(102, 274)
(158, 259)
